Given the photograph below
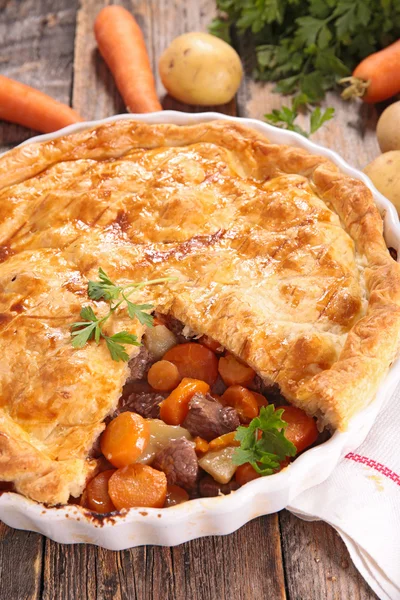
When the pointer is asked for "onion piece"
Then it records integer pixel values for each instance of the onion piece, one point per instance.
(218, 464)
(158, 340)
(161, 435)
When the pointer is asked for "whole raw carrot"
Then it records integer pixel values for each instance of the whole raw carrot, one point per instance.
(377, 77)
(122, 46)
(26, 106)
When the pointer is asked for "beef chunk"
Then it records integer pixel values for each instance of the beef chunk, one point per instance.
(140, 364)
(135, 387)
(209, 487)
(178, 460)
(271, 392)
(208, 419)
(219, 387)
(143, 403)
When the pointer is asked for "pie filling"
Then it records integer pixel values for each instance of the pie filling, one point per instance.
(172, 436)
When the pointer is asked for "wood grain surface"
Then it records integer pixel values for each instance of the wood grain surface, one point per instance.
(49, 44)
(36, 47)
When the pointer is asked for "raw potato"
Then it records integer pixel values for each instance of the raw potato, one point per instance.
(388, 128)
(199, 68)
(384, 173)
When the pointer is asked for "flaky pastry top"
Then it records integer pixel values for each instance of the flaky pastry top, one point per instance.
(277, 255)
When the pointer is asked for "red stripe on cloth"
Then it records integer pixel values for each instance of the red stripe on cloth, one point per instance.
(369, 462)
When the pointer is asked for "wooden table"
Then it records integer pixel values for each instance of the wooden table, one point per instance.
(50, 45)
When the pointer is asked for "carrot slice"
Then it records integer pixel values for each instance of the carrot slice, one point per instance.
(245, 473)
(163, 375)
(138, 485)
(301, 429)
(261, 400)
(243, 401)
(98, 498)
(234, 372)
(227, 439)
(125, 438)
(22, 104)
(175, 495)
(195, 361)
(201, 445)
(83, 500)
(173, 410)
(121, 44)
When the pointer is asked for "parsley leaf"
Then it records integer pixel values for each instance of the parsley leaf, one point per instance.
(220, 28)
(104, 289)
(308, 28)
(83, 331)
(137, 310)
(318, 118)
(115, 347)
(285, 117)
(263, 443)
(90, 328)
(124, 337)
(83, 335)
(87, 313)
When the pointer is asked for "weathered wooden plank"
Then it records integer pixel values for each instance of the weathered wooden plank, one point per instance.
(317, 564)
(91, 573)
(246, 564)
(69, 572)
(20, 564)
(203, 569)
(94, 92)
(36, 48)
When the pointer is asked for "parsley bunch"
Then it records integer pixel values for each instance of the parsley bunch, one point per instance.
(91, 326)
(263, 443)
(306, 46)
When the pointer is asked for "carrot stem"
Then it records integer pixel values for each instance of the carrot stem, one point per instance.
(357, 87)
(377, 77)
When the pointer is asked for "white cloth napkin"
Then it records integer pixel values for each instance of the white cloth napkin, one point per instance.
(361, 500)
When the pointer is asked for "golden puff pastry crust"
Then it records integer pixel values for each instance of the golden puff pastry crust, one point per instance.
(277, 254)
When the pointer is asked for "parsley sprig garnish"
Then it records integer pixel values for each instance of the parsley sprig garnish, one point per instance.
(91, 326)
(263, 443)
(285, 117)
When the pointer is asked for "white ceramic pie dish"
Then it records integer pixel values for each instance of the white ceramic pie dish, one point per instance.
(222, 515)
